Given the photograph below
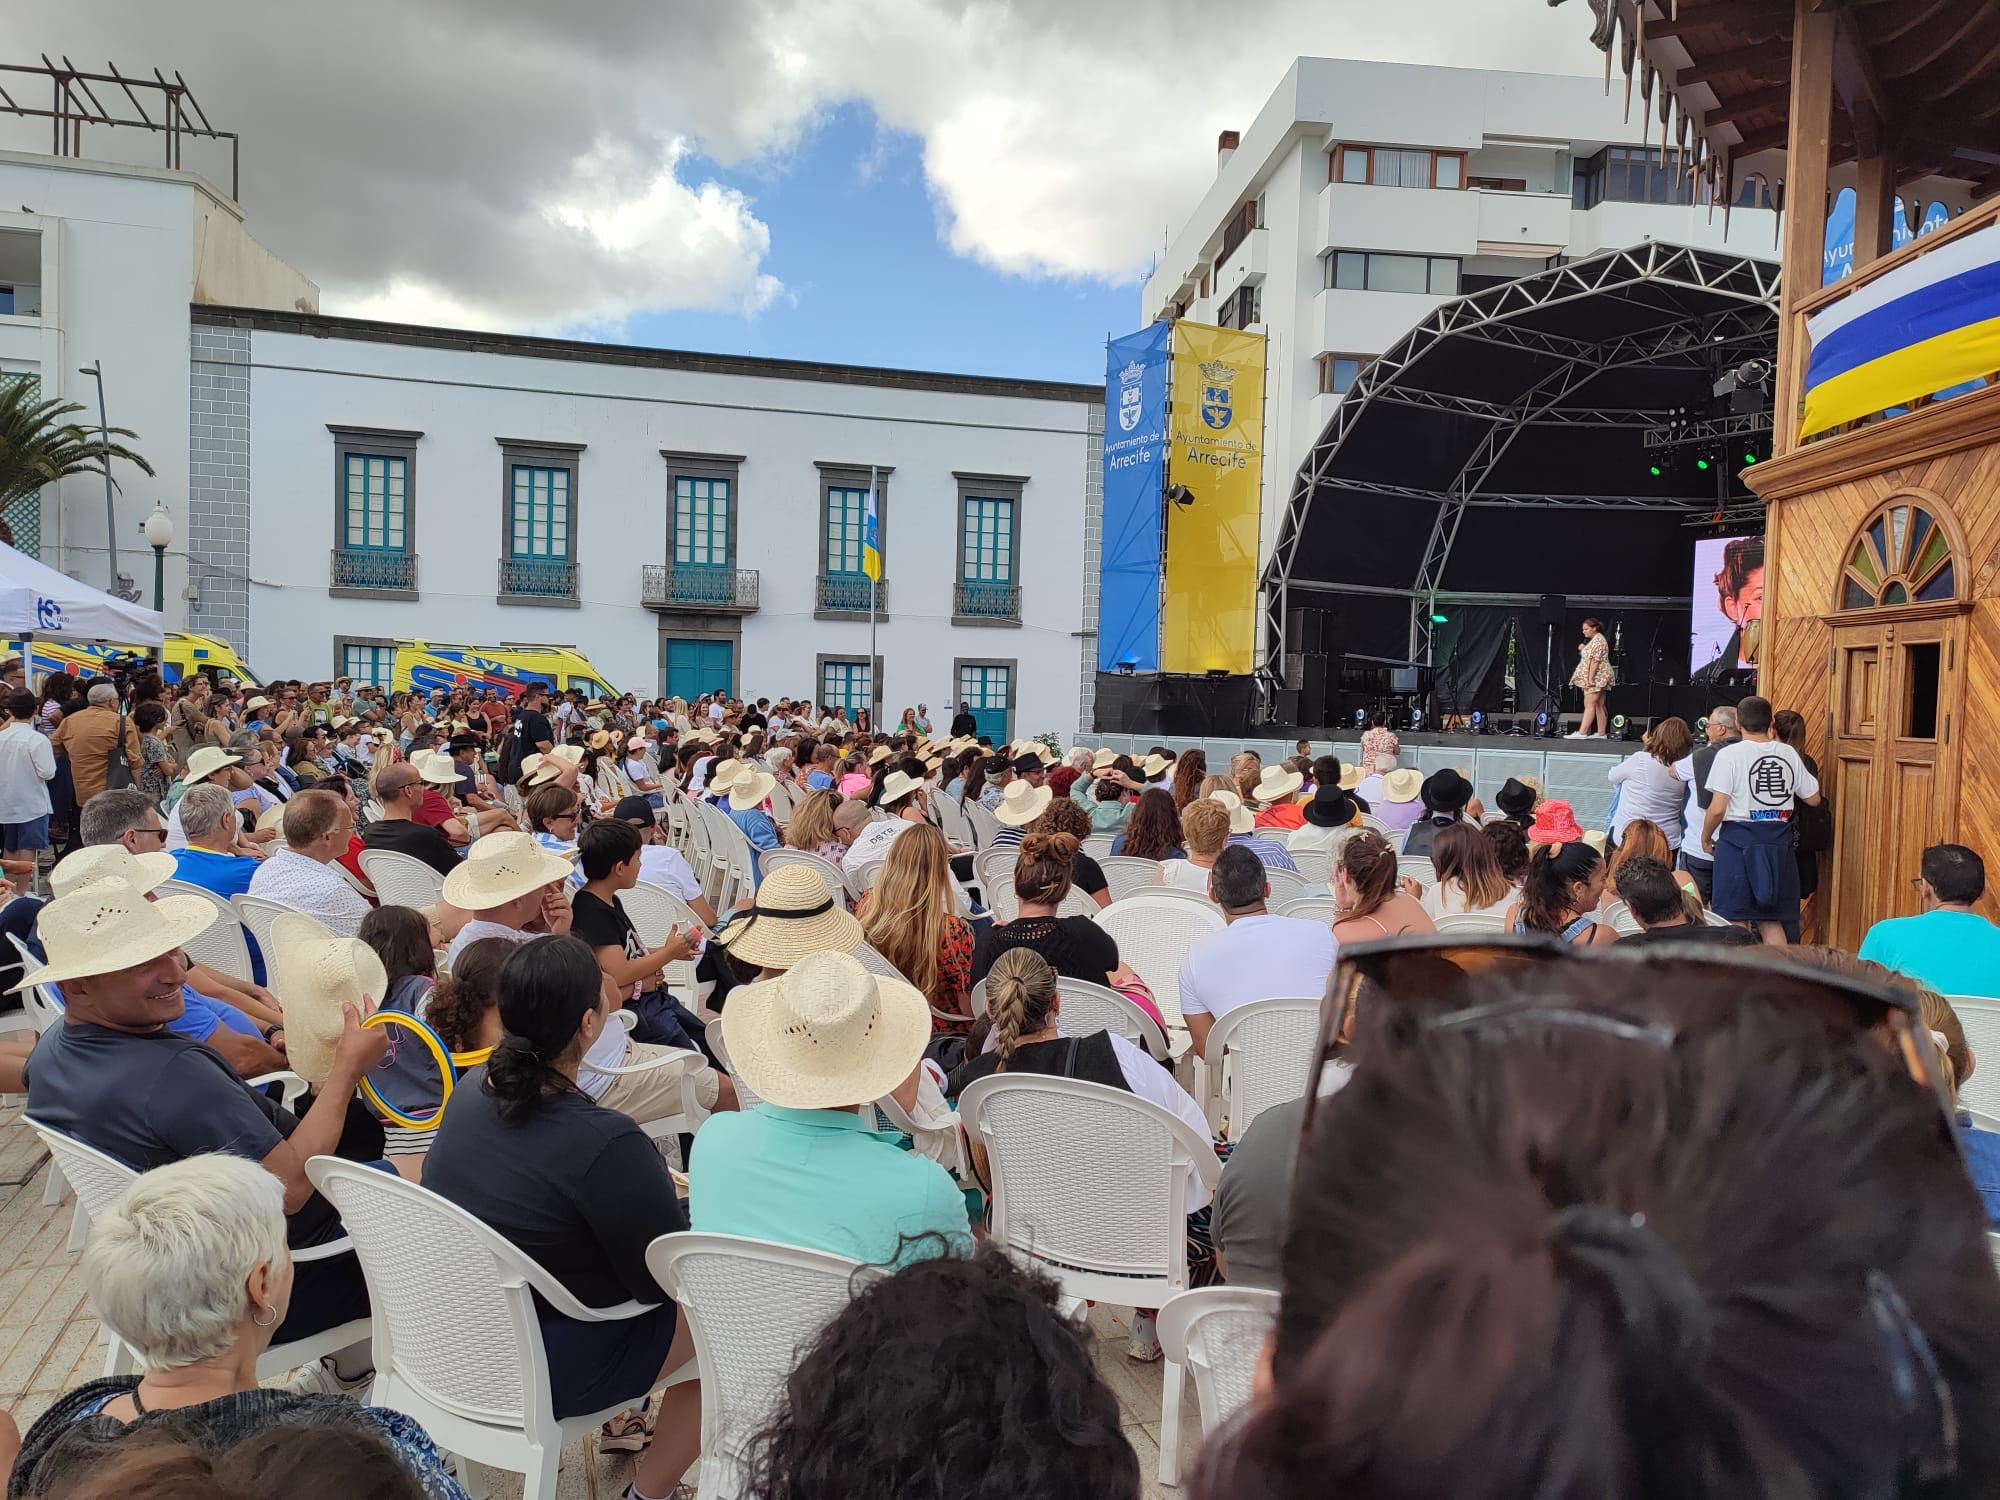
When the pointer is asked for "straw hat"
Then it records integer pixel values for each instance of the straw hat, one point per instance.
(500, 868)
(599, 739)
(827, 1034)
(1240, 820)
(1403, 786)
(722, 775)
(1021, 804)
(1350, 777)
(271, 817)
(546, 768)
(1102, 760)
(438, 769)
(109, 925)
(895, 787)
(260, 701)
(793, 916)
(879, 754)
(750, 789)
(313, 974)
(1275, 785)
(1154, 765)
(111, 862)
(206, 761)
(1040, 751)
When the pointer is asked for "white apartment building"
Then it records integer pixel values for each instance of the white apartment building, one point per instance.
(1365, 194)
(688, 521)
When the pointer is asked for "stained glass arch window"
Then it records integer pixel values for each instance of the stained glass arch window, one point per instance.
(1901, 556)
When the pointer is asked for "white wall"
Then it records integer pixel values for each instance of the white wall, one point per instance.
(463, 401)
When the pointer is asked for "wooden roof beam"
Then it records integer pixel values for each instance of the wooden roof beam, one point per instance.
(1749, 21)
(1755, 101)
(1906, 58)
(1766, 59)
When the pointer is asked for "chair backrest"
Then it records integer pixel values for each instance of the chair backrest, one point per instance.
(985, 827)
(1312, 909)
(875, 962)
(860, 878)
(1417, 867)
(1077, 902)
(1286, 885)
(1127, 875)
(1980, 1019)
(221, 945)
(1219, 1332)
(1153, 936)
(1265, 1050)
(1090, 1182)
(1098, 845)
(951, 822)
(995, 869)
(752, 1307)
(400, 880)
(828, 872)
(258, 913)
(97, 1178)
(1715, 918)
(455, 1326)
(1472, 922)
(1619, 915)
(783, 799)
(1090, 1008)
(1369, 820)
(656, 911)
(42, 1004)
(1315, 866)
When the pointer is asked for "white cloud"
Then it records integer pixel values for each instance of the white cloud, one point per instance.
(508, 163)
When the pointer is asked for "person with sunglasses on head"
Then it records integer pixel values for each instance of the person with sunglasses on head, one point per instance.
(1547, 1243)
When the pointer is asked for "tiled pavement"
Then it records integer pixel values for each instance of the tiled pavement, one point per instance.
(48, 1337)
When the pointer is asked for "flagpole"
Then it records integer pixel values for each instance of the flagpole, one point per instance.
(874, 687)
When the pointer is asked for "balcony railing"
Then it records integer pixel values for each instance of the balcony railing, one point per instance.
(550, 578)
(983, 600)
(386, 572)
(848, 592)
(695, 587)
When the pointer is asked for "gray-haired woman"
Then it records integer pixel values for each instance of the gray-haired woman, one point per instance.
(189, 1268)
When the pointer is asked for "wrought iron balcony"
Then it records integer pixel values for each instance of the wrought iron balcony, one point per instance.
(981, 599)
(698, 588)
(373, 571)
(550, 579)
(847, 593)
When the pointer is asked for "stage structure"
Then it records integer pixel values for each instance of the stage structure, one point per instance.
(1528, 455)
(1882, 601)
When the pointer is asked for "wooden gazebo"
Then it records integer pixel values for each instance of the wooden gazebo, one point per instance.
(1881, 606)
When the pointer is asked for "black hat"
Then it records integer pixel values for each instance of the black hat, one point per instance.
(1446, 791)
(462, 742)
(995, 764)
(633, 810)
(1515, 797)
(1330, 807)
(1024, 764)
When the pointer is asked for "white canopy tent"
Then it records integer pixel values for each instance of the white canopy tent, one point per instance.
(36, 600)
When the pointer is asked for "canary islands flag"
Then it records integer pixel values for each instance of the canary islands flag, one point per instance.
(871, 541)
(1927, 325)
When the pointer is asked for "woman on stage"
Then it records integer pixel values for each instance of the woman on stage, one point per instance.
(1593, 675)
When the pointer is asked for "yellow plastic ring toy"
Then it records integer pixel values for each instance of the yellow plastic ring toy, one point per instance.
(435, 1046)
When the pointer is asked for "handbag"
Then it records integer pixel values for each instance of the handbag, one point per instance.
(118, 774)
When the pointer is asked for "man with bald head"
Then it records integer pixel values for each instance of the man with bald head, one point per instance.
(400, 790)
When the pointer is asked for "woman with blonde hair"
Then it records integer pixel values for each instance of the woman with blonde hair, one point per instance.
(1469, 878)
(1205, 833)
(909, 917)
(1645, 839)
(1368, 897)
(812, 830)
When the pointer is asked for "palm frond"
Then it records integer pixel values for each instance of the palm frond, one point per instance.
(40, 443)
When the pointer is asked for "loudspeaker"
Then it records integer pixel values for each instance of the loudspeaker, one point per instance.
(1315, 669)
(1554, 609)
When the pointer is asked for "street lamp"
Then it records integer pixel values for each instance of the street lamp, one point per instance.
(159, 529)
(95, 370)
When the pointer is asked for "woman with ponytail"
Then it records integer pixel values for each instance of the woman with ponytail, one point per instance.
(579, 1187)
(1561, 895)
(1075, 947)
(1370, 899)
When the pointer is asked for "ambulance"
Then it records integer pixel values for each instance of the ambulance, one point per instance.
(184, 656)
(423, 665)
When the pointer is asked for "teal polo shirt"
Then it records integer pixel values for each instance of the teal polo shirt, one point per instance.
(1954, 952)
(822, 1180)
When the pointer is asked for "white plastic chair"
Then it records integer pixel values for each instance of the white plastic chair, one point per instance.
(1098, 846)
(1128, 875)
(1286, 885)
(656, 911)
(220, 945)
(688, 1061)
(1474, 921)
(1621, 919)
(1715, 919)
(1980, 1019)
(1077, 902)
(1218, 1332)
(257, 913)
(458, 1340)
(828, 872)
(1090, 1008)
(1090, 1185)
(1417, 867)
(1312, 909)
(876, 963)
(400, 880)
(1258, 1055)
(1315, 866)
(1153, 936)
(860, 878)
(995, 869)
(951, 822)
(985, 827)
(752, 1307)
(100, 1178)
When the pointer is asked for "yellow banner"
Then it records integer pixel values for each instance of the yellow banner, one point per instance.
(1216, 451)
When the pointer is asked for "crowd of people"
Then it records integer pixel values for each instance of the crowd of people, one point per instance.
(1567, 1222)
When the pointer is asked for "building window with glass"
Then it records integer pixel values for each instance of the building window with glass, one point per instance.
(701, 522)
(368, 662)
(989, 556)
(539, 557)
(1637, 174)
(845, 683)
(1396, 166)
(844, 586)
(1338, 372)
(1366, 271)
(374, 535)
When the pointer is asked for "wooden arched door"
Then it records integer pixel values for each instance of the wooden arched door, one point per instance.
(1895, 690)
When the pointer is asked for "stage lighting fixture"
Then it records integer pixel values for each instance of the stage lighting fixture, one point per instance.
(1416, 720)
(1360, 718)
(1478, 724)
(1181, 495)
(1701, 727)
(1127, 668)
(1217, 674)
(1438, 619)
(1545, 725)
(1621, 728)
(1749, 458)
(1654, 471)
(1701, 464)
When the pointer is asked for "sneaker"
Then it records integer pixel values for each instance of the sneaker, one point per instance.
(1144, 1345)
(321, 1379)
(629, 1431)
(1578, 735)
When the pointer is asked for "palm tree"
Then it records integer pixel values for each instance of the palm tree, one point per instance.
(39, 444)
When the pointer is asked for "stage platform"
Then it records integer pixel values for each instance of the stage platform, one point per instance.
(1573, 770)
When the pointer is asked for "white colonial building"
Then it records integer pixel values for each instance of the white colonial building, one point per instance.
(1365, 194)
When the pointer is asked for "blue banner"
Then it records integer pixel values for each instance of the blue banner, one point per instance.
(1837, 261)
(1135, 451)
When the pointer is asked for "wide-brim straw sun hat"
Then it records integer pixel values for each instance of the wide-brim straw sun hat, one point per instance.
(827, 1034)
(502, 867)
(1402, 786)
(879, 754)
(1102, 760)
(1240, 818)
(722, 775)
(1158, 765)
(1275, 785)
(1021, 804)
(794, 916)
(206, 761)
(751, 789)
(271, 817)
(110, 925)
(896, 786)
(111, 862)
(436, 768)
(313, 974)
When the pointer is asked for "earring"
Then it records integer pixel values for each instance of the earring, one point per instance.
(265, 1322)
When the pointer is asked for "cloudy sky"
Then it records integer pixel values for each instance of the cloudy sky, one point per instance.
(949, 184)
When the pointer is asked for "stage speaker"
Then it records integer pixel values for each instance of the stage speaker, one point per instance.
(1315, 670)
(1286, 706)
(1307, 630)
(1554, 609)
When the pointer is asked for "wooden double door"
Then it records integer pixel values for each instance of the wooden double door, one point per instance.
(1892, 764)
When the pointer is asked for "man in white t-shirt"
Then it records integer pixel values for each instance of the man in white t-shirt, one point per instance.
(1256, 957)
(1754, 786)
(903, 799)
